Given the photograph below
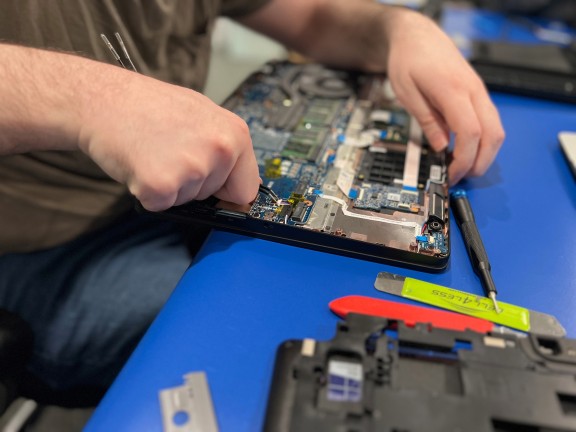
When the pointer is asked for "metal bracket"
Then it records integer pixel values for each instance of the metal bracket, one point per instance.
(188, 408)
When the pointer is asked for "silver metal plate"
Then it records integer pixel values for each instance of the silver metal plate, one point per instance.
(188, 408)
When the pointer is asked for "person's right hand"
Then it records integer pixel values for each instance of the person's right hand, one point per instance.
(168, 144)
(440, 89)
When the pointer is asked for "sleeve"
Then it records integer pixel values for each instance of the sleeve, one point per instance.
(239, 8)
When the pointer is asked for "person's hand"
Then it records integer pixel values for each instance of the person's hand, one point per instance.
(168, 144)
(438, 87)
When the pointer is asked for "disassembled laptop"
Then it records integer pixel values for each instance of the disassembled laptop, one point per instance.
(344, 169)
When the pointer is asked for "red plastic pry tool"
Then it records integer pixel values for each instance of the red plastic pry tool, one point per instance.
(410, 314)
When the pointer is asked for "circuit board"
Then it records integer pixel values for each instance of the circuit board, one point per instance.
(339, 157)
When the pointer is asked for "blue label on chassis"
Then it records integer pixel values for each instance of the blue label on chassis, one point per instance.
(344, 381)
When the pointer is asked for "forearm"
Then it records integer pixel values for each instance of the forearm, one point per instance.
(44, 95)
(343, 33)
(168, 144)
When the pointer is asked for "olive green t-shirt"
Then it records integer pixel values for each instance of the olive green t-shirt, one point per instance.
(48, 198)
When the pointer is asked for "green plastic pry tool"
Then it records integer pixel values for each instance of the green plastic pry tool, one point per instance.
(512, 316)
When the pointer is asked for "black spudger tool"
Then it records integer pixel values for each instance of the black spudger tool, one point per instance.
(478, 257)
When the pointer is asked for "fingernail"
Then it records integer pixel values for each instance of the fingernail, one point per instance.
(442, 143)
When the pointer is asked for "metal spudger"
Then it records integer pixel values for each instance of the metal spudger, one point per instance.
(112, 50)
(478, 257)
(115, 53)
(124, 50)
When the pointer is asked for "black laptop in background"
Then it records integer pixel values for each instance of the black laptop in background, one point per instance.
(542, 70)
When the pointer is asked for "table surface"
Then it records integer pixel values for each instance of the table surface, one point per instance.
(242, 297)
